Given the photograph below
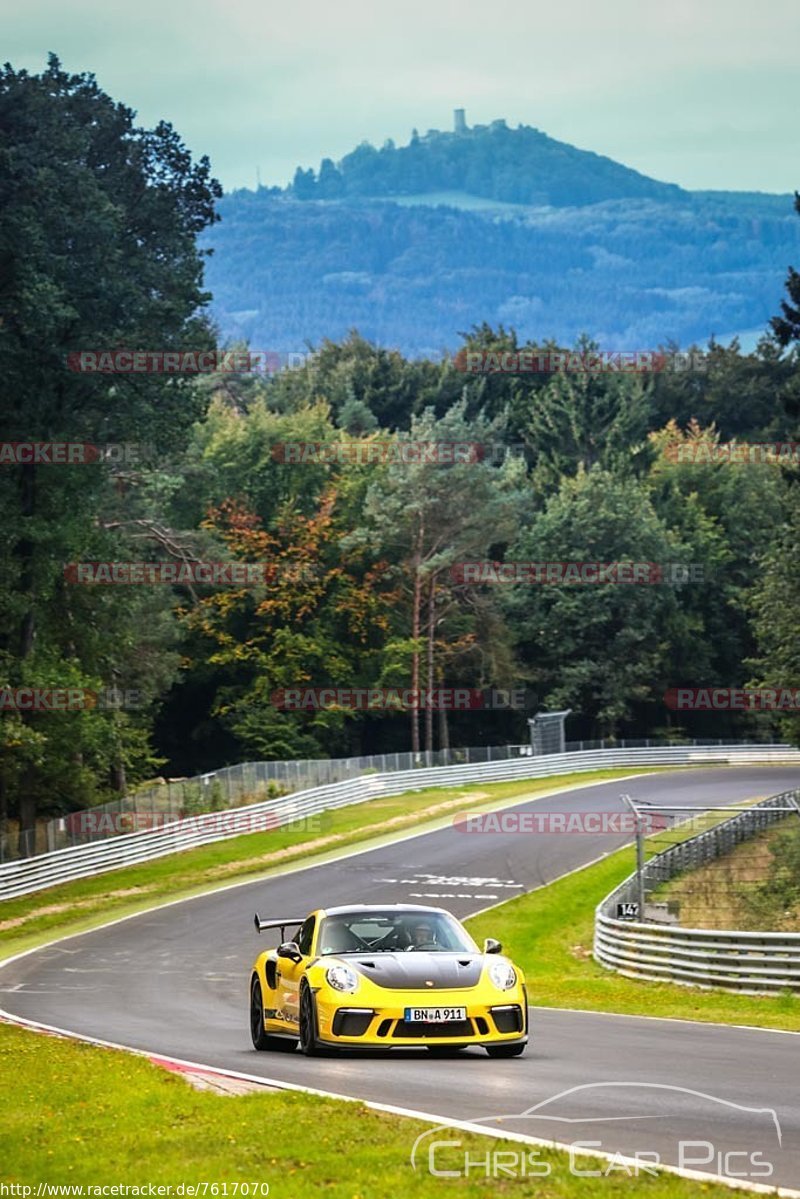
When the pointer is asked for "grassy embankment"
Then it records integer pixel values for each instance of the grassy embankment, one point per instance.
(82, 1115)
(755, 887)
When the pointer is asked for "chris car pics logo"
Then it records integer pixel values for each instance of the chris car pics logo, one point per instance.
(626, 1129)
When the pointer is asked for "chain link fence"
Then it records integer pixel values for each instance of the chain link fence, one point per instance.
(729, 959)
(219, 790)
(234, 786)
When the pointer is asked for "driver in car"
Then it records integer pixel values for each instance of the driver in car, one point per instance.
(422, 937)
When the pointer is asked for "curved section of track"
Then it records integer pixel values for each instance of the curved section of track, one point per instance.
(174, 981)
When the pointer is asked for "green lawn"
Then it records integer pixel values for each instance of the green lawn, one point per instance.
(87, 1116)
(756, 886)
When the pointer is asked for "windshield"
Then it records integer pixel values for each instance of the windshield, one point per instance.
(394, 932)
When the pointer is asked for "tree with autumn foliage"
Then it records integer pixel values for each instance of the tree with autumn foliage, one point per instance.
(320, 618)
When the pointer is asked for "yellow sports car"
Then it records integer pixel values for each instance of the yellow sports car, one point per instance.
(385, 975)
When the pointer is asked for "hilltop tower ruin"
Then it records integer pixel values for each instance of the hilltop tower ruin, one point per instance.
(460, 120)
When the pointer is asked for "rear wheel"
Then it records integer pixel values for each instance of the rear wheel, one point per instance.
(505, 1050)
(262, 1040)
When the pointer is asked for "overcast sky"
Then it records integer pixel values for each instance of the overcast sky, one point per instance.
(697, 92)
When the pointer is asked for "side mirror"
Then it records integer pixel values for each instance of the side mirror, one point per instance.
(491, 946)
(290, 949)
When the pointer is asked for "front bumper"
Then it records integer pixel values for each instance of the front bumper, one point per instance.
(486, 1023)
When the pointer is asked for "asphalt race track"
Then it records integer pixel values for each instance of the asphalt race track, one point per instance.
(175, 982)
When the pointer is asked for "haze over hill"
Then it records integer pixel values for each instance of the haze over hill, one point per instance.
(414, 244)
(518, 166)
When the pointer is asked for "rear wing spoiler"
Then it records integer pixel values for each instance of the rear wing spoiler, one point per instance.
(283, 924)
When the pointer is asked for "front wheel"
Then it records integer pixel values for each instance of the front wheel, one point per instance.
(309, 1045)
(262, 1040)
(505, 1050)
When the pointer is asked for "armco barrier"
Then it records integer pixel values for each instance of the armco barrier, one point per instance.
(247, 782)
(33, 874)
(729, 959)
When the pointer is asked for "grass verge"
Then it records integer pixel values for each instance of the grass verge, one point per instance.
(88, 1116)
(73, 907)
(549, 932)
(756, 886)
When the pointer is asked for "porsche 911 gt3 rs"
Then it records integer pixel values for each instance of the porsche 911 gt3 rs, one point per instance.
(385, 975)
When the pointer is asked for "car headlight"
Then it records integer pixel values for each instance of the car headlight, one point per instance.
(342, 978)
(503, 975)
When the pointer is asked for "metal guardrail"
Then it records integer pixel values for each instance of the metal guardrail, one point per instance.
(27, 875)
(231, 786)
(729, 959)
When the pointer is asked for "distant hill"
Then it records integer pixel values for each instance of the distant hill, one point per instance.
(518, 166)
(498, 225)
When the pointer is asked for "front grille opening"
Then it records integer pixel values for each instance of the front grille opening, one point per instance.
(453, 1028)
(508, 1018)
(351, 1024)
(483, 1027)
(383, 1028)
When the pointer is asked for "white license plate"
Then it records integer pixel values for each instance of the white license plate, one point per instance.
(434, 1015)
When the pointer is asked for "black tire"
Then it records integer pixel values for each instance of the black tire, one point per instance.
(262, 1040)
(505, 1050)
(307, 1017)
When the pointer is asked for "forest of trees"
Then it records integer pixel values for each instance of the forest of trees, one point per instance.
(99, 228)
(631, 272)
